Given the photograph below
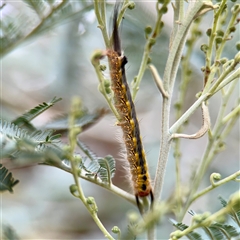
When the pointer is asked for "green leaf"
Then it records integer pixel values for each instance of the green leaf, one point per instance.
(93, 168)
(37, 147)
(107, 169)
(7, 182)
(221, 231)
(230, 230)
(9, 233)
(103, 167)
(85, 121)
(129, 234)
(235, 213)
(223, 201)
(23, 121)
(89, 153)
(18, 29)
(50, 1)
(42, 136)
(11, 130)
(38, 6)
(7, 145)
(46, 154)
(12, 29)
(182, 227)
(214, 233)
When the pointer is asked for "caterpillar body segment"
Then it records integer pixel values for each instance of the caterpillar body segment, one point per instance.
(128, 119)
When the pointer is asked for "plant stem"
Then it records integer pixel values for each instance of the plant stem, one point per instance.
(212, 148)
(96, 64)
(185, 79)
(213, 217)
(169, 80)
(207, 79)
(224, 75)
(228, 79)
(217, 184)
(148, 46)
(188, 113)
(116, 190)
(73, 132)
(100, 14)
(227, 33)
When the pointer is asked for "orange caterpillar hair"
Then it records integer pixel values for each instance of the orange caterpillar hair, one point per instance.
(128, 118)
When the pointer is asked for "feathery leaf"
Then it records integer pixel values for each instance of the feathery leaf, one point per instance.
(9, 233)
(23, 121)
(85, 121)
(92, 156)
(7, 182)
(182, 227)
(107, 169)
(223, 201)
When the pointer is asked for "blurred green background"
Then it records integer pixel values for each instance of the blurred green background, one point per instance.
(57, 63)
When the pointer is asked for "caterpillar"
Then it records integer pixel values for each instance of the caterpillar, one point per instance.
(128, 119)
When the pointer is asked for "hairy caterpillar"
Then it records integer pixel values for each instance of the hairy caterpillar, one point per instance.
(128, 122)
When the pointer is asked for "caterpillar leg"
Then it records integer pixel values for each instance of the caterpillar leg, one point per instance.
(139, 204)
(152, 199)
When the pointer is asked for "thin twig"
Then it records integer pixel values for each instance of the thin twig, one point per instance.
(205, 127)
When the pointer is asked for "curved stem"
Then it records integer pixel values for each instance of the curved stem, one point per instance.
(188, 113)
(216, 184)
(212, 148)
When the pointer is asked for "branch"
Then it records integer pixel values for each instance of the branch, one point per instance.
(216, 176)
(205, 127)
(158, 80)
(188, 113)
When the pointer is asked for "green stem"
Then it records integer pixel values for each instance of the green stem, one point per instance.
(223, 75)
(234, 200)
(231, 115)
(226, 34)
(169, 79)
(96, 64)
(213, 217)
(148, 46)
(188, 113)
(185, 79)
(101, 226)
(217, 184)
(207, 80)
(176, 20)
(112, 188)
(228, 79)
(73, 132)
(206, 160)
(100, 14)
(177, 45)
(229, 126)
(181, 10)
(212, 148)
